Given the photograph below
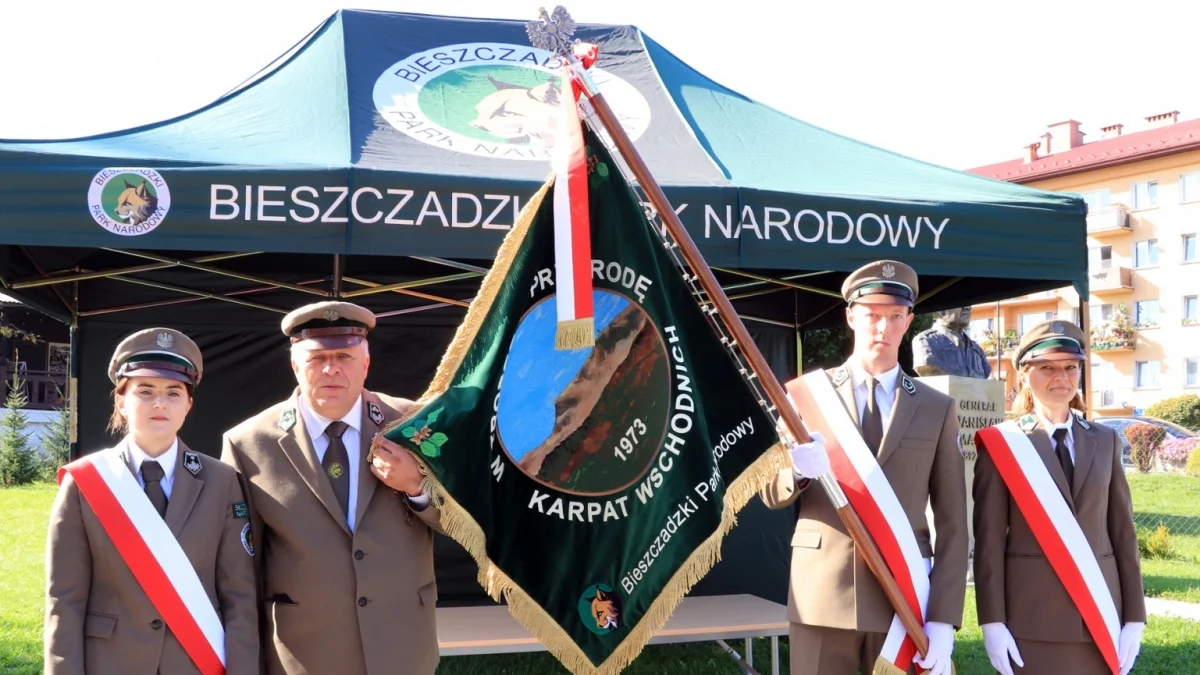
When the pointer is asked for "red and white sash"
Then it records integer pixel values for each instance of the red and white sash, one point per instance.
(871, 495)
(153, 554)
(1056, 529)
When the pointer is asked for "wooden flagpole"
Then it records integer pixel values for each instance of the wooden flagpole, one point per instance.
(733, 323)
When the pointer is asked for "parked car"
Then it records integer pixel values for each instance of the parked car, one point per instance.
(1121, 423)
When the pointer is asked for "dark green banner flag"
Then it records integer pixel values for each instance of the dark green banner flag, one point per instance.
(592, 486)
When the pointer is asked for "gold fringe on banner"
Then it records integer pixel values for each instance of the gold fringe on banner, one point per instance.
(884, 667)
(575, 334)
(462, 528)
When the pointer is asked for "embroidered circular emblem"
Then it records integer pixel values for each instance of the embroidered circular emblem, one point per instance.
(335, 470)
(600, 609)
(1056, 328)
(248, 539)
(889, 271)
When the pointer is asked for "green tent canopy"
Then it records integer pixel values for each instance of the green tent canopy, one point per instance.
(384, 158)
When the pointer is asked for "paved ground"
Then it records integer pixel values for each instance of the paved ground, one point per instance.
(1183, 610)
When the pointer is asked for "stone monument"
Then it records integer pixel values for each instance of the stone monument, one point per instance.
(947, 359)
(946, 349)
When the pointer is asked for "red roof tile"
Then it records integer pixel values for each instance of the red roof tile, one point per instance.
(1107, 152)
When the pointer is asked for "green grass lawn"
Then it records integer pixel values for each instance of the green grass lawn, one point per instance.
(1171, 645)
(1174, 501)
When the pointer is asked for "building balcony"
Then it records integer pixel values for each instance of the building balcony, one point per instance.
(1108, 222)
(1113, 343)
(1111, 279)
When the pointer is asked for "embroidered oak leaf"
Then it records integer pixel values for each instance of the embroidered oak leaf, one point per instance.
(429, 441)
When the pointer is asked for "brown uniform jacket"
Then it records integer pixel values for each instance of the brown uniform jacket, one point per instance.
(1014, 583)
(98, 618)
(831, 586)
(335, 601)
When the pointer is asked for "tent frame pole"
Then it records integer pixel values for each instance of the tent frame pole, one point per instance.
(226, 273)
(59, 278)
(1085, 324)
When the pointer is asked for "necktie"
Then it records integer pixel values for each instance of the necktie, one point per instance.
(1064, 455)
(337, 464)
(152, 473)
(872, 422)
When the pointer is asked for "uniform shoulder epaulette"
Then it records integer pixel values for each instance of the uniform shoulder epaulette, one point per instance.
(1027, 422)
(839, 375)
(287, 418)
(909, 385)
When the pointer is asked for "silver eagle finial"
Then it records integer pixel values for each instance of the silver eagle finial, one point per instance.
(552, 32)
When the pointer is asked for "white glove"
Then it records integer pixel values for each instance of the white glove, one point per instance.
(941, 643)
(809, 459)
(1129, 644)
(1000, 646)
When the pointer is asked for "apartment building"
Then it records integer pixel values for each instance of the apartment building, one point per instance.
(1142, 188)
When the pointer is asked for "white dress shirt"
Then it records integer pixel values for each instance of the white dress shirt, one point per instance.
(315, 423)
(885, 391)
(165, 460)
(1068, 425)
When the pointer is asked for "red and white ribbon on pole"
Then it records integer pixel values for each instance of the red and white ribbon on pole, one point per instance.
(153, 554)
(1056, 530)
(873, 499)
(572, 227)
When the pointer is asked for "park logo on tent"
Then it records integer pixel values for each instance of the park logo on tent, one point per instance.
(129, 201)
(491, 99)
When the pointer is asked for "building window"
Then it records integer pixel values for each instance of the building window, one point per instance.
(1189, 187)
(1189, 248)
(1028, 321)
(1145, 374)
(1191, 372)
(978, 329)
(1099, 200)
(1191, 309)
(1145, 253)
(1145, 195)
(1145, 313)
(1100, 314)
(1100, 257)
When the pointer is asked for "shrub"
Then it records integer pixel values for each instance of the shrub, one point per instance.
(1182, 410)
(1156, 543)
(1144, 440)
(1193, 464)
(1177, 449)
(20, 462)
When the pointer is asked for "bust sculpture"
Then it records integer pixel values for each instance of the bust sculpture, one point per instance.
(946, 349)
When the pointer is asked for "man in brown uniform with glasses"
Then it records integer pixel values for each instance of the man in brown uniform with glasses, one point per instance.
(345, 533)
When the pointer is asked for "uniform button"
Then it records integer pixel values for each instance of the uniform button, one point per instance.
(156, 624)
(358, 555)
(362, 602)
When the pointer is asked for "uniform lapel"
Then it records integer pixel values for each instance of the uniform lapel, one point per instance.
(904, 408)
(845, 389)
(184, 492)
(1041, 442)
(298, 449)
(366, 478)
(1085, 452)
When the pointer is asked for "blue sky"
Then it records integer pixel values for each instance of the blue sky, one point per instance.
(536, 373)
(959, 84)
